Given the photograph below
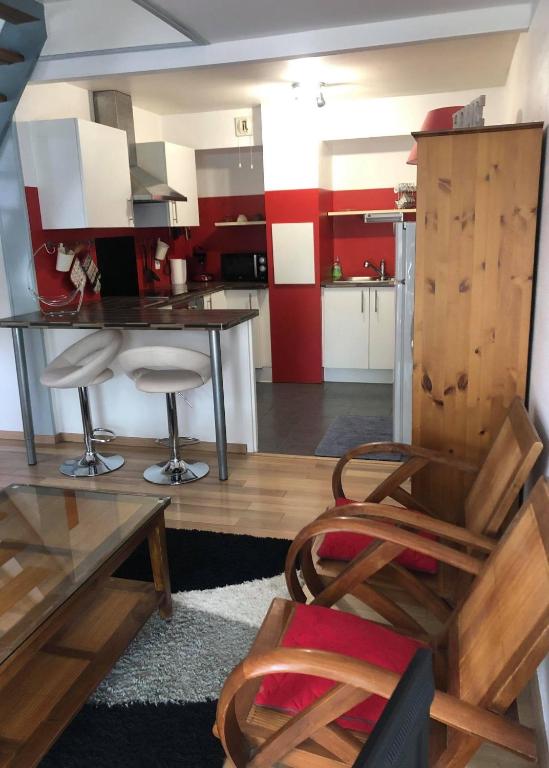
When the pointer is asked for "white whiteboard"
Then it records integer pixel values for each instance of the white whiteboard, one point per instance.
(294, 253)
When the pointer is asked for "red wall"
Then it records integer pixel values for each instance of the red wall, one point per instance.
(217, 240)
(52, 283)
(355, 242)
(214, 240)
(296, 314)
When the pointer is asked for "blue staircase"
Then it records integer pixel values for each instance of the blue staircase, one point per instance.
(22, 37)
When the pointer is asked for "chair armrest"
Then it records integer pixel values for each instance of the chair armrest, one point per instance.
(414, 519)
(417, 457)
(447, 709)
(382, 532)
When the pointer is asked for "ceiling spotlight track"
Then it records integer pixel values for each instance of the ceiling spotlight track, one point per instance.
(306, 91)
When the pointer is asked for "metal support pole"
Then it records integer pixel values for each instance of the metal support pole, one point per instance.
(24, 394)
(219, 403)
(86, 421)
(173, 429)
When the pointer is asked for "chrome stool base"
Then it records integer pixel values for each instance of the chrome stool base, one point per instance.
(91, 465)
(176, 472)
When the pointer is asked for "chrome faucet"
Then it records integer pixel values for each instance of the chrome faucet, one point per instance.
(380, 270)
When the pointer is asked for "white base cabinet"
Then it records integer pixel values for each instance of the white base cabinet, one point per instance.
(358, 333)
(381, 330)
(261, 325)
(82, 173)
(345, 321)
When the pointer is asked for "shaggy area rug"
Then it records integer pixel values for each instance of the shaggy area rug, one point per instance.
(157, 707)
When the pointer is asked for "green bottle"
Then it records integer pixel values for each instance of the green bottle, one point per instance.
(336, 269)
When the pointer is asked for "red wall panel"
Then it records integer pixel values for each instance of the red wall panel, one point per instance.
(296, 314)
(217, 240)
(355, 242)
(213, 239)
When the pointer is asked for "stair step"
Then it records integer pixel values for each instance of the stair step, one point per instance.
(10, 57)
(14, 15)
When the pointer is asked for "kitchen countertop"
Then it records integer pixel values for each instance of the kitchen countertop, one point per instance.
(388, 283)
(137, 312)
(196, 290)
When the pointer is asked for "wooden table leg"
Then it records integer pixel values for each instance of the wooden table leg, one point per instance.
(160, 569)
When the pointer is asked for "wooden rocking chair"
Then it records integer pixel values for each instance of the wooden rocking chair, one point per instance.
(394, 563)
(297, 700)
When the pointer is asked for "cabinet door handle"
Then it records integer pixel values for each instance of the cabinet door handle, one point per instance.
(250, 300)
(131, 212)
(375, 302)
(175, 211)
(362, 302)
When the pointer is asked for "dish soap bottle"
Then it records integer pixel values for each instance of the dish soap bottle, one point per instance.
(336, 269)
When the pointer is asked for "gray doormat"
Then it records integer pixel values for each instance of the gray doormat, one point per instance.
(346, 432)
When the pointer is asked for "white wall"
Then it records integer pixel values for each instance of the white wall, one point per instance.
(211, 130)
(292, 148)
(527, 98)
(397, 116)
(219, 175)
(148, 125)
(371, 163)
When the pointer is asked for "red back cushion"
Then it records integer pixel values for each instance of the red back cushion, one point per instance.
(327, 629)
(346, 546)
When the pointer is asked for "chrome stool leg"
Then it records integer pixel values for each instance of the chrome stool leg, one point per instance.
(175, 471)
(92, 463)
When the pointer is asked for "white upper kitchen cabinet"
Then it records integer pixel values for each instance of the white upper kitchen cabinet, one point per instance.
(382, 328)
(346, 317)
(175, 165)
(82, 173)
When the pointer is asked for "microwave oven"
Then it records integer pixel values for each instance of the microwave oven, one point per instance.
(244, 267)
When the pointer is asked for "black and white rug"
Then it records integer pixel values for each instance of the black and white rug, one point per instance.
(157, 707)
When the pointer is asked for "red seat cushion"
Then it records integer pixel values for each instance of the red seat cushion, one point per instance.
(346, 546)
(326, 629)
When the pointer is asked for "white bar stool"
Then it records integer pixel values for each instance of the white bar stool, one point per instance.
(169, 370)
(81, 365)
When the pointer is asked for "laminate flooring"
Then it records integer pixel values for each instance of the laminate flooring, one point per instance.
(265, 495)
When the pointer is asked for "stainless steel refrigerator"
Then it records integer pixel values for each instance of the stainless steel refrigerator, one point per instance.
(405, 243)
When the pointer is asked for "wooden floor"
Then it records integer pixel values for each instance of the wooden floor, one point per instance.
(265, 495)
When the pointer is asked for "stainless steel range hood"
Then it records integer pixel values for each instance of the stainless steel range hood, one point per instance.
(115, 109)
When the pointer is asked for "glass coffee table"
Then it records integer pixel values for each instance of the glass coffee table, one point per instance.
(64, 619)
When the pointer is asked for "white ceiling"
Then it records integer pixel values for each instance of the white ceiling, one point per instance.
(443, 65)
(219, 20)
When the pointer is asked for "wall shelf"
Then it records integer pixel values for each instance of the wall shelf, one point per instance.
(240, 223)
(362, 213)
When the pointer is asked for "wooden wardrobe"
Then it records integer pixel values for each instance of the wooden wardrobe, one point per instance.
(477, 203)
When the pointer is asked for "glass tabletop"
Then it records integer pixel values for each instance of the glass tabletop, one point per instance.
(51, 541)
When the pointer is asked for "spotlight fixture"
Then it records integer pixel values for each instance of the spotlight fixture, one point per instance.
(303, 91)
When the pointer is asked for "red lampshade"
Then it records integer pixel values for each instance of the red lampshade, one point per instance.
(436, 120)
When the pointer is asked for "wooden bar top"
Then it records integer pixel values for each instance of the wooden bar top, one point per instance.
(130, 312)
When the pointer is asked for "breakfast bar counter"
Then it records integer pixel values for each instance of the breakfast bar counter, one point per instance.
(133, 314)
